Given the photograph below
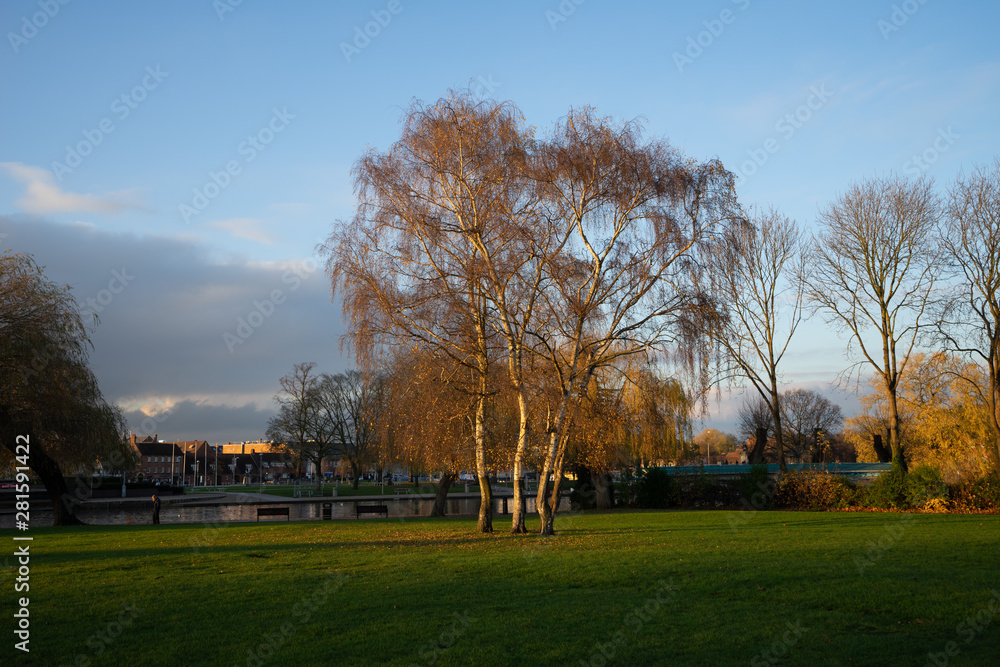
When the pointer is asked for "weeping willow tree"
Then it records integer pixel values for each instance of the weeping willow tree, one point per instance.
(658, 413)
(49, 397)
(431, 423)
(625, 418)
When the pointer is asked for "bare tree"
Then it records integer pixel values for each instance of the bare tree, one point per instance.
(355, 404)
(632, 278)
(873, 271)
(970, 323)
(760, 299)
(302, 427)
(575, 251)
(756, 421)
(808, 418)
(481, 156)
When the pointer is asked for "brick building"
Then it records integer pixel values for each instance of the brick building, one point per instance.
(197, 463)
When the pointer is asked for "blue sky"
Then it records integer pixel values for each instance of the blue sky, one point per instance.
(118, 114)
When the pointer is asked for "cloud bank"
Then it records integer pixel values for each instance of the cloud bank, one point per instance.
(179, 332)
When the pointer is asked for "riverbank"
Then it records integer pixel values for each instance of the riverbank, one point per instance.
(242, 507)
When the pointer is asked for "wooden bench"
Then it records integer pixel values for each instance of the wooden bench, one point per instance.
(372, 509)
(402, 489)
(273, 511)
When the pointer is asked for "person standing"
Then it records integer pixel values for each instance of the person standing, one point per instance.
(156, 509)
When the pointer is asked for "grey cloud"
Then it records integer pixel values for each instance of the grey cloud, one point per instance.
(165, 307)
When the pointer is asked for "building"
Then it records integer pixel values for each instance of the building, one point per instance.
(197, 463)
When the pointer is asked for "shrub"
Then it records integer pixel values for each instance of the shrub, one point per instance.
(629, 487)
(756, 487)
(700, 490)
(982, 494)
(655, 489)
(583, 496)
(887, 492)
(923, 486)
(814, 491)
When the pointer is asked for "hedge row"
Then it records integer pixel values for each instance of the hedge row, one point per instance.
(922, 488)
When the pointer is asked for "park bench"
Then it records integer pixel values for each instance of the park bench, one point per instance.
(273, 511)
(372, 509)
(402, 489)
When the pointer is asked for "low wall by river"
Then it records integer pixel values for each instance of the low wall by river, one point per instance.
(131, 513)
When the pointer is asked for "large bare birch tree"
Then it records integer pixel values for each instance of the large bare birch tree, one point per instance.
(634, 276)
(470, 236)
(440, 212)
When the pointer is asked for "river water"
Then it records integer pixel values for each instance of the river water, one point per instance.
(140, 513)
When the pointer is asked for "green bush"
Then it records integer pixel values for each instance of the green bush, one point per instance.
(628, 488)
(655, 489)
(755, 488)
(887, 492)
(923, 485)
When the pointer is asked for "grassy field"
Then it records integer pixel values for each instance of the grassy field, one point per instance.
(637, 588)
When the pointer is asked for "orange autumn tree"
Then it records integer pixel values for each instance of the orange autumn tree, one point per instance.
(944, 421)
(970, 322)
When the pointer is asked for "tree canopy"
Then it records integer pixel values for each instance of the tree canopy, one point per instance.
(476, 240)
(47, 390)
(873, 271)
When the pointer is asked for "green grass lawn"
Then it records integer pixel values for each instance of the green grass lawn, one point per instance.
(645, 588)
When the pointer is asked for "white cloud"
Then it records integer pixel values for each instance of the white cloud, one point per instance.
(244, 228)
(42, 195)
(153, 404)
